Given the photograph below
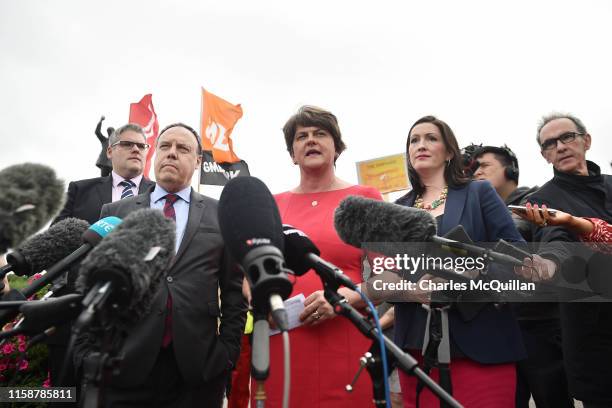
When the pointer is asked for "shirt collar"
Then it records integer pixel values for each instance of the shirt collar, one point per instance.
(159, 192)
(118, 179)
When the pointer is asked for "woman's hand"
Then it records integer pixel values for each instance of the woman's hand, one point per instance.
(316, 309)
(542, 218)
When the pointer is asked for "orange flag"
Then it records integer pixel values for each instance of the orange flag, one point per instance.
(143, 114)
(218, 120)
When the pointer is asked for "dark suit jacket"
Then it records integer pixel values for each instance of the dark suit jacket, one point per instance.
(85, 198)
(200, 271)
(493, 336)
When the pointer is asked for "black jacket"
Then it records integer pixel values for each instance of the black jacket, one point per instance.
(587, 327)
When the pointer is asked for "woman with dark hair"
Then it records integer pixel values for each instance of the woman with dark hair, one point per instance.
(325, 349)
(484, 347)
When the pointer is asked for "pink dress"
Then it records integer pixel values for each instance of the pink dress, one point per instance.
(325, 357)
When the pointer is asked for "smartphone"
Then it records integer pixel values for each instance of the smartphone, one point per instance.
(523, 209)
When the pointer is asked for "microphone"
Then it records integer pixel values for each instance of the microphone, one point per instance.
(31, 196)
(251, 228)
(123, 273)
(598, 273)
(302, 254)
(91, 237)
(39, 315)
(43, 250)
(360, 220)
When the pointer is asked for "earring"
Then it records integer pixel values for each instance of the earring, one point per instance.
(448, 163)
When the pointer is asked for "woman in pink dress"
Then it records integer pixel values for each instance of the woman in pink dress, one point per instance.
(325, 350)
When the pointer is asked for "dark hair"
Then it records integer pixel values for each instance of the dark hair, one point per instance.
(505, 156)
(309, 115)
(453, 173)
(557, 115)
(184, 126)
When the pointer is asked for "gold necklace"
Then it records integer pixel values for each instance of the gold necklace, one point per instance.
(418, 203)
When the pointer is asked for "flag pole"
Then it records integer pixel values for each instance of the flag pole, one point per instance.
(201, 137)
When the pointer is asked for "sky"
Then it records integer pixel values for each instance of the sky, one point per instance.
(489, 69)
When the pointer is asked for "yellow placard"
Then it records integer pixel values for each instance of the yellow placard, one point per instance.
(387, 174)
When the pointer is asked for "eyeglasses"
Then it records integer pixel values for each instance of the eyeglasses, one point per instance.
(565, 138)
(127, 145)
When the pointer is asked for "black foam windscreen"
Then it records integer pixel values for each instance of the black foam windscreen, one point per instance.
(574, 268)
(47, 248)
(598, 274)
(297, 247)
(249, 217)
(30, 195)
(359, 219)
(134, 257)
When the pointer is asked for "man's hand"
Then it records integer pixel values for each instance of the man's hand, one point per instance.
(5, 283)
(537, 269)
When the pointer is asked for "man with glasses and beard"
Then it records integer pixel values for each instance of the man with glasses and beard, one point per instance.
(579, 188)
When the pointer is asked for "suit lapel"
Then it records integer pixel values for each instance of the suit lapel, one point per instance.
(196, 210)
(105, 190)
(145, 186)
(142, 201)
(453, 209)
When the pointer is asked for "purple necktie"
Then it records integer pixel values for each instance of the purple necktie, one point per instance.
(169, 212)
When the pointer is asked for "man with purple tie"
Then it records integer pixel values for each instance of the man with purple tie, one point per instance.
(181, 353)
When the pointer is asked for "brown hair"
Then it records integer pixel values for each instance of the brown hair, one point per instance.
(309, 115)
(453, 173)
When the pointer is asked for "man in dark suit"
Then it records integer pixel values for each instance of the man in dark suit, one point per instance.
(127, 151)
(179, 355)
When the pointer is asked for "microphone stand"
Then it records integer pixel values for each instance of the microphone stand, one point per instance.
(100, 365)
(489, 255)
(260, 356)
(399, 358)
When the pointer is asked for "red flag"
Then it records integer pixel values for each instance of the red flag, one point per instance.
(143, 114)
(218, 120)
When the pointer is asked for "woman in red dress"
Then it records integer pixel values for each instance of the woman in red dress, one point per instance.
(326, 348)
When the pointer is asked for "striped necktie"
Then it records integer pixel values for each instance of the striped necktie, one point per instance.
(127, 188)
